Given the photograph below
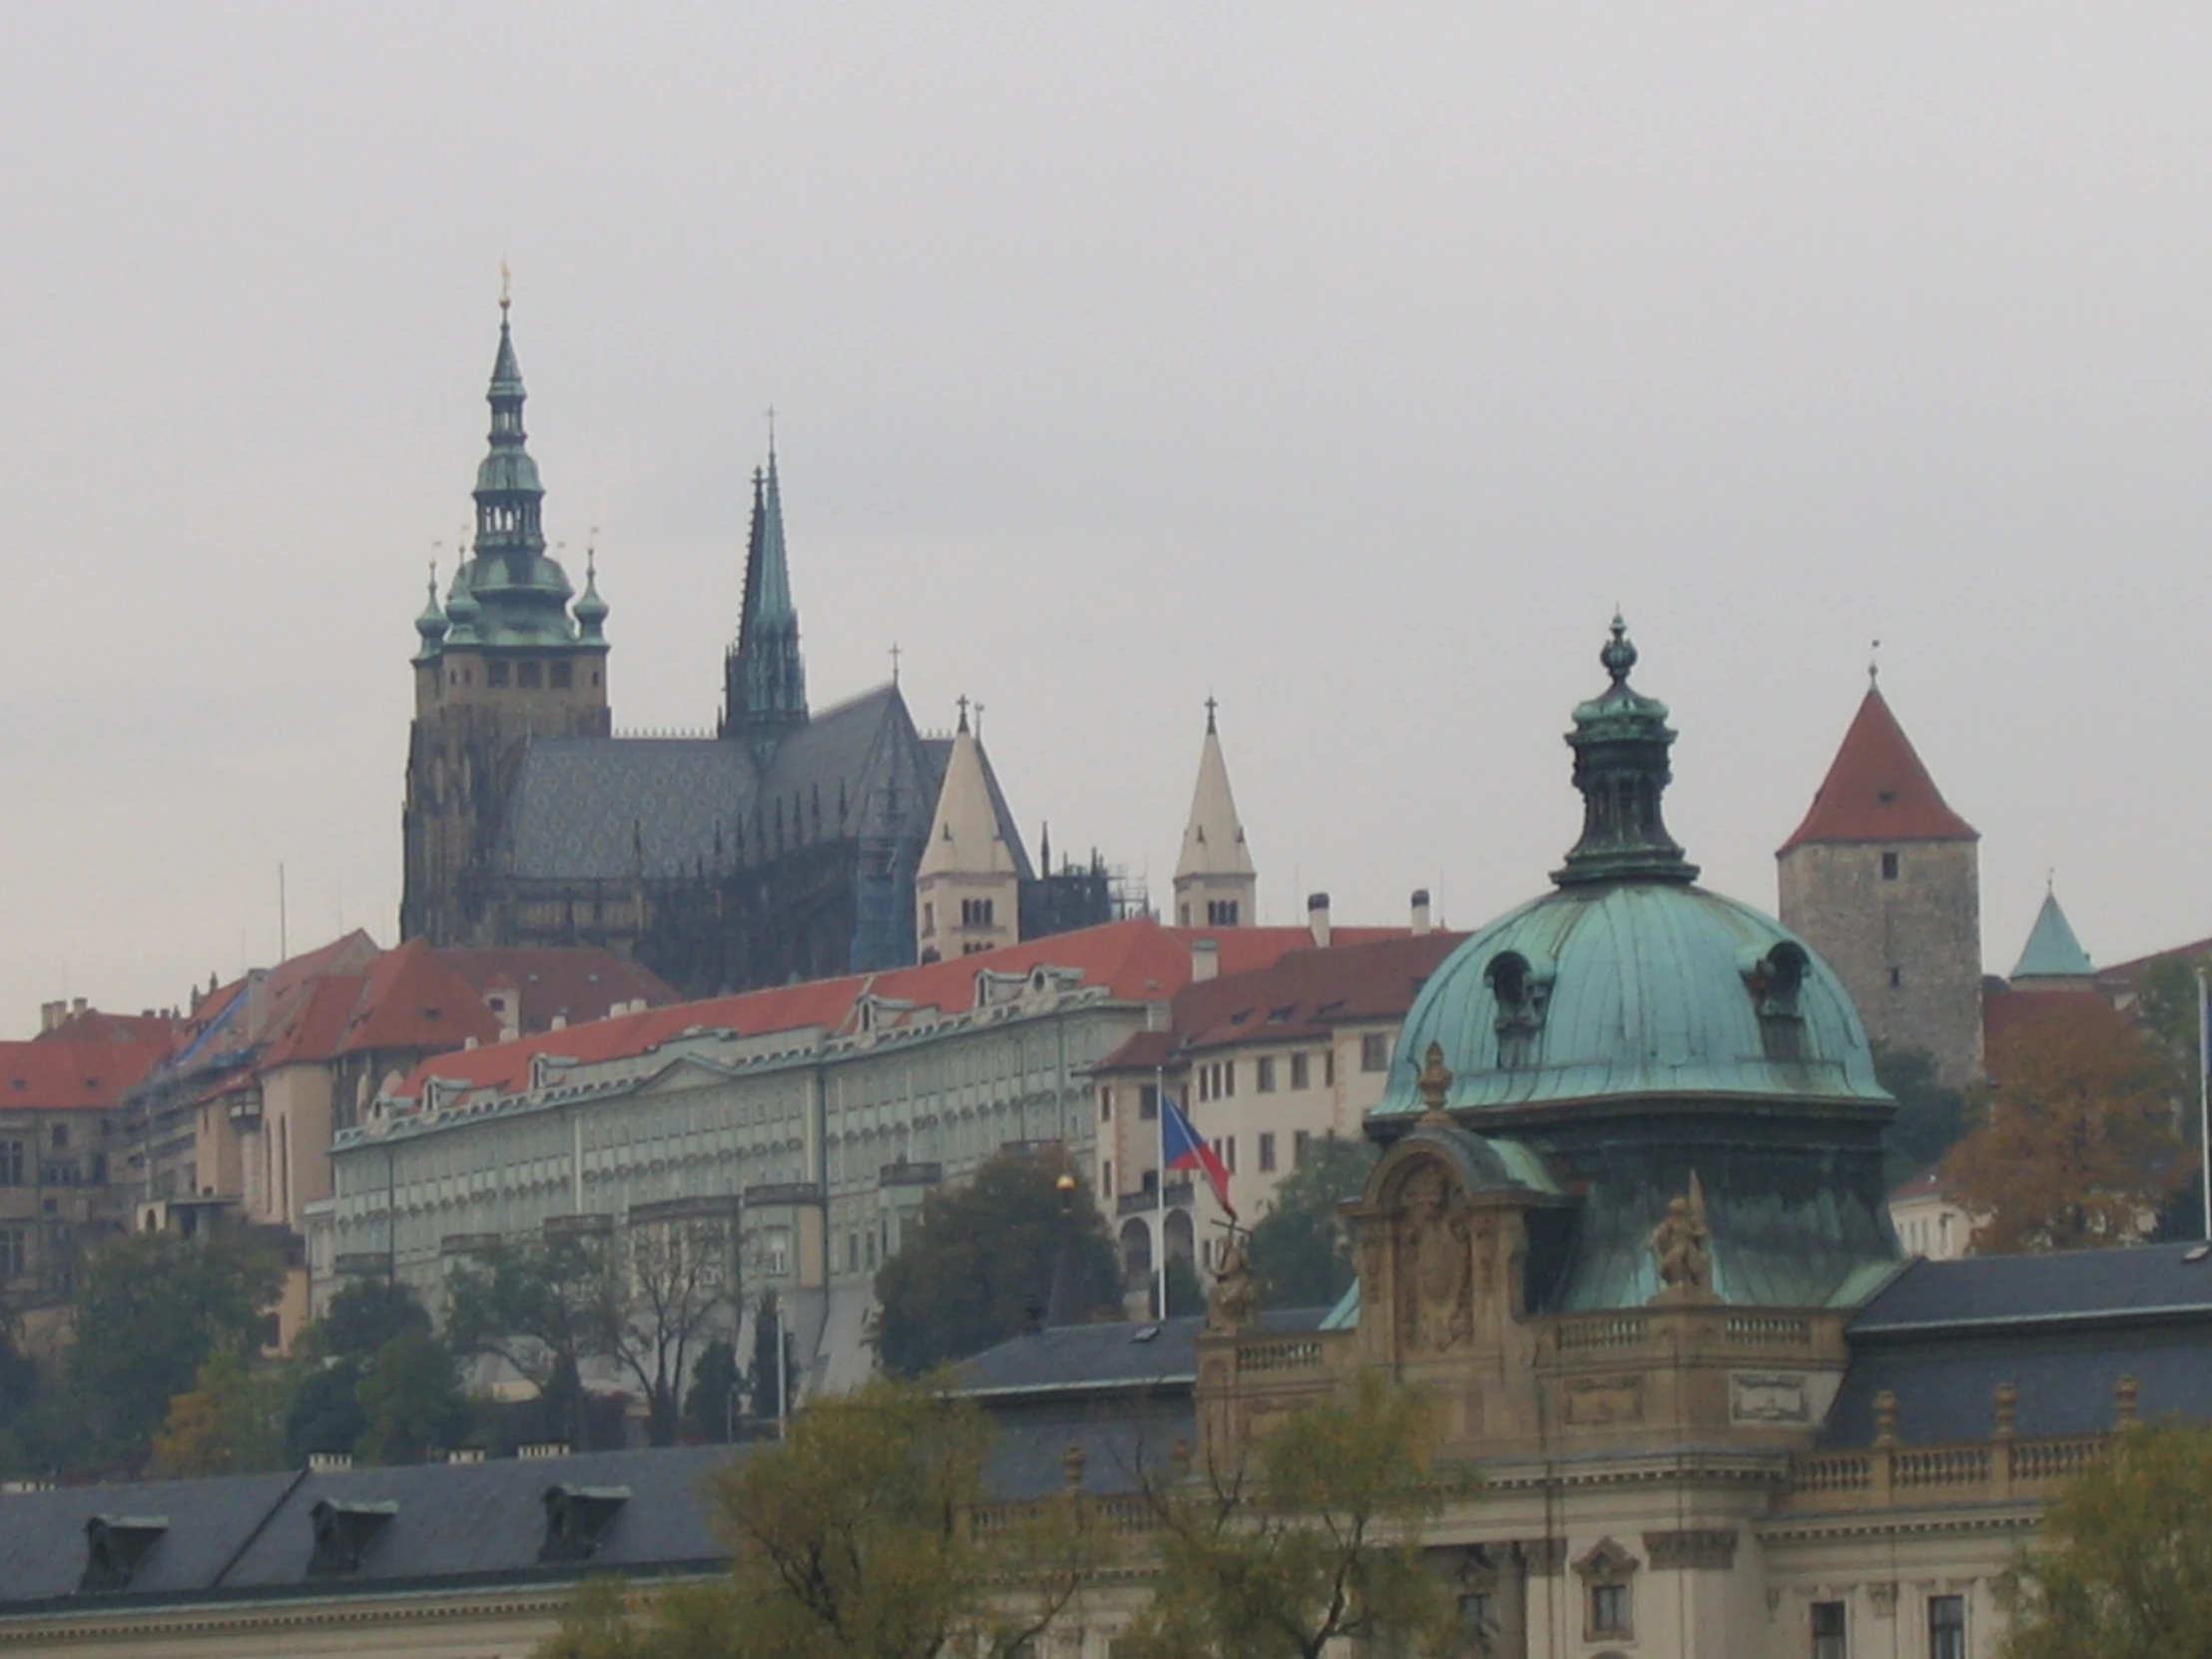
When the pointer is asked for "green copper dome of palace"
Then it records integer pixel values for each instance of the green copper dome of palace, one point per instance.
(1627, 980)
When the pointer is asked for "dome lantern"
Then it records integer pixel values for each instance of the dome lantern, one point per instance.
(1620, 741)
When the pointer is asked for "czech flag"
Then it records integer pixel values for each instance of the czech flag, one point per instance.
(1181, 1149)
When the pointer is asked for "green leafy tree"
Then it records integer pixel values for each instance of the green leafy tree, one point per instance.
(2123, 1565)
(332, 1356)
(536, 1305)
(1930, 1118)
(1299, 1250)
(231, 1422)
(711, 1405)
(858, 1537)
(154, 1307)
(990, 1258)
(411, 1402)
(1309, 1542)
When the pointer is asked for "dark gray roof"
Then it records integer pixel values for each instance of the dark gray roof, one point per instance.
(1978, 1292)
(1119, 1444)
(614, 809)
(1072, 1360)
(2062, 1329)
(254, 1534)
(42, 1534)
(1947, 1388)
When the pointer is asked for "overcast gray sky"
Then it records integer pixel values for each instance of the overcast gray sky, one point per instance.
(1346, 362)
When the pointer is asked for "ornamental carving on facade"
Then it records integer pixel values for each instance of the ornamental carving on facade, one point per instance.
(1433, 1263)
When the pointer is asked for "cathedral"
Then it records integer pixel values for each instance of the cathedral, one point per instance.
(787, 846)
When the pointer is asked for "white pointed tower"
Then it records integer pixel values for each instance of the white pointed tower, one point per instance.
(1215, 883)
(968, 889)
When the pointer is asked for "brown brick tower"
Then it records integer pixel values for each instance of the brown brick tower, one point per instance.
(1885, 880)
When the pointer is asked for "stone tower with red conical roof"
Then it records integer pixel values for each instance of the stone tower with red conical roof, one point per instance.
(1884, 880)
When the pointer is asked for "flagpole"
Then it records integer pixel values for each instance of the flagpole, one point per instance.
(1160, 1188)
(2204, 1095)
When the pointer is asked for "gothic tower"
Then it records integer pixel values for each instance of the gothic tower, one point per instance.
(501, 660)
(1885, 880)
(967, 888)
(763, 677)
(1215, 883)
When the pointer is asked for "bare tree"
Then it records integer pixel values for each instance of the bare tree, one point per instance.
(670, 1283)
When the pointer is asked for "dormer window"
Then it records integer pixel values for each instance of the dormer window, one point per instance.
(344, 1533)
(1522, 993)
(1775, 982)
(114, 1547)
(577, 1518)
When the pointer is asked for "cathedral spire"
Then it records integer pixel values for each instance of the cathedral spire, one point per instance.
(764, 676)
(1215, 883)
(522, 595)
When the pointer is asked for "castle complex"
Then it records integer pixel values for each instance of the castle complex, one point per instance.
(787, 846)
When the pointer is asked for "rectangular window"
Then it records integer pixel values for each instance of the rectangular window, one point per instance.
(1946, 1627)
(527, 673)
(495, 673)
(1264, 1074)
(1230, 1156)
(1221, 912)
(1300, 1073)
(1297, 1146)
(1228, 1078)
(1105, 1105)
(1148, 1103)
(11, 1163)
(1828, 1630)
(61, 1134)
(1328, 1069)
(1609, 1610)
(1888, 866)
(1106, 1177)
(1374, 1051)
(1267, 1152)
(13, 1251)
(776, 1250)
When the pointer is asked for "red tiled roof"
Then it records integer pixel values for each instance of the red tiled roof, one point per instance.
(577, 984)
(315, 1022)
(94, 1025)
(1302, 996)
(2122, 976)
(1136, 961)
(414, 1000)
(1876, 789)
(48, 1076)
(2006, 1014)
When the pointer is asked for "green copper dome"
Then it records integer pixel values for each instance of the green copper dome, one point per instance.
(1633, 988)
(1628, 981)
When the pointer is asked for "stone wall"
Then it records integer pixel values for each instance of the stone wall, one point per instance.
(1906, 945)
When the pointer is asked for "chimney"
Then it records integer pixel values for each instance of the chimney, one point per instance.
(45, 1016)
(1317, 919)
(1205, 960)
(559, 1022)
(1420, 911)
(78, 1006)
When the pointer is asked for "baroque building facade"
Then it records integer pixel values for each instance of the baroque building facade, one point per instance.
(785, 847)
